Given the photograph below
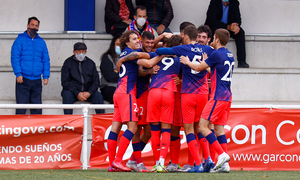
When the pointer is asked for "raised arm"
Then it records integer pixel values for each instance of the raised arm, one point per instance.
(132, 56)
(197, 67)
(144, 72)
(150, 63)
(164, 51)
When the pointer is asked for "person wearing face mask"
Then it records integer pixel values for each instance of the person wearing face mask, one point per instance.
(226, 14)
(30, 60)
(108, 68)
(140, 23)
(80, 79)
(160, 14)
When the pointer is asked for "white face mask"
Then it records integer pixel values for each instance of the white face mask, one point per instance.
(80, 57)
(141, 21)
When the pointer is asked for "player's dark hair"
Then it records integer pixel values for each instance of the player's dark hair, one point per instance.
(147, 35)
(139, 7)
(205, 29)
(125, 39)
(164, 40)
(33, 18)
(223, 35)
(191, 31)
(175, 40)
(184, 25)
(111, 50)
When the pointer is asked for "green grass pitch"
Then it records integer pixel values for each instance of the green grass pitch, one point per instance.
(104, 175)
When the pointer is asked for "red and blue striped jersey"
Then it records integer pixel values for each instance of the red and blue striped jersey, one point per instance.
(142, 83)
(222, 64)
(192, 81)
(169, 68)
(128, 75)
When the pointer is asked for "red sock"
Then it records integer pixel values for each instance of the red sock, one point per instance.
(155, 141)
(214, 143)
(193, 147)
(204, 145)
(124, 142)
(112, 146)
(132, 158)
(212, 151)
(175, 149)
(190, 158)
(223, 142)
(137, 151)
(165, 142)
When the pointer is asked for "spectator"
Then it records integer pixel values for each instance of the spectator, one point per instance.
(30, 60)
(80, 79)
(160, 13)
(118, 15)
(226, 14)
(109, 73)
(140, 23)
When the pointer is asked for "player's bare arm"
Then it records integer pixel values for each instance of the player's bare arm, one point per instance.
(157, 40)
(150, 63)
(197, 67)
(132, 56)
(144, 72)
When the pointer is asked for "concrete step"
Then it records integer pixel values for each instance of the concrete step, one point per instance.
(249, 86)
(263, 50)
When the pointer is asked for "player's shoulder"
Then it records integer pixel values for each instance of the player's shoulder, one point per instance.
(125, 52)
(152, 54)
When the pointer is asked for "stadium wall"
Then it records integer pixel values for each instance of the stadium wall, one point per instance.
(258, 16)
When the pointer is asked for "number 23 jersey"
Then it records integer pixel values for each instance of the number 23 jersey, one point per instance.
(222, 64)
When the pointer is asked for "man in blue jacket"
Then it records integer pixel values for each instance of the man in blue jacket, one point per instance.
(30, 60)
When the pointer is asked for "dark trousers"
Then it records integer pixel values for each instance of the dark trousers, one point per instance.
(30, 91)
(108, 93)
(69, 98)
(239, 39)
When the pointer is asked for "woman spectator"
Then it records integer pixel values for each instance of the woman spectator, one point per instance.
(109, 74)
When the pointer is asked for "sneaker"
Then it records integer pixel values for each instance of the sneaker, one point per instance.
(198, 169)
(224, 169)
(111, 169)
(223, 158)
(132, 165)
(141, 168)
(120, 166)
(172, 167)
(208, 164)
(154, 169)
(185, 168)
(161, 169)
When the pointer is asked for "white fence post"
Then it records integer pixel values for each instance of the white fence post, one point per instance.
(85, 110)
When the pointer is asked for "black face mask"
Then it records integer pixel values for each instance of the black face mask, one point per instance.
(32, 32)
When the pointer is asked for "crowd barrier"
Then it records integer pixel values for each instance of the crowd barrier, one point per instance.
(264, 137)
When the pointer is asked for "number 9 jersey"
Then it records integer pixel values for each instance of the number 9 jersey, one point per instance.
(222, 64)
(169, 68)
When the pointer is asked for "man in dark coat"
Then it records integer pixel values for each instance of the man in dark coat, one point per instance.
(226, 14)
